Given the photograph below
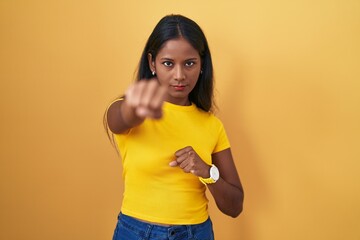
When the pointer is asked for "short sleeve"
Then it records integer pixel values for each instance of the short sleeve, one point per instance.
(223, 141)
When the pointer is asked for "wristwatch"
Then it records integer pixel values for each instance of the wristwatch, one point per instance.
(214, 176)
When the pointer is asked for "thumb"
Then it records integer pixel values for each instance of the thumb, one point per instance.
(173, 164)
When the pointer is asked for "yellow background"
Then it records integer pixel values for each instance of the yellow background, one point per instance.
(288, 91)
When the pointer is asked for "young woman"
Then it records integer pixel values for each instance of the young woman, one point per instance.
(172, 146)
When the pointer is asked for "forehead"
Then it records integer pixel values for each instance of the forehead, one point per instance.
(178, 48)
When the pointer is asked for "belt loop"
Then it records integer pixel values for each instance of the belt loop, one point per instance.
(190, 233)
(148, 231)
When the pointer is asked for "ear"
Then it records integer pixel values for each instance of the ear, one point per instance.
(151, 62)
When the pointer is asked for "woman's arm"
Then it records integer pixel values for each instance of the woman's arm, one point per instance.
(121, 117)
(142, 99)
(227, 191)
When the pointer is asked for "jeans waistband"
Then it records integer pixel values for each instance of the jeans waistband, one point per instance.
(139, 226)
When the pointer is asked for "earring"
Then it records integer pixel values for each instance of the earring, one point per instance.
(201, 72)
(153, 73)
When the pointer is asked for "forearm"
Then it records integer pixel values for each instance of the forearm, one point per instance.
(121, 117)
(228, 198)
(227, 191)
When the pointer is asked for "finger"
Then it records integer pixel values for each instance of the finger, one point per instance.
(129, 91)
(189, 168)
(182, 158)
(157, 102)
(142, 112)
(187, 164)
(159, 97)
(135, 94)
(195, 172)
(182, 151)
(148, 93)
(145, 98)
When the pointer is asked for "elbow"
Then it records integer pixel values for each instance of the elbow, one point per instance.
(236, 212)
(231, 205)
(237, 207)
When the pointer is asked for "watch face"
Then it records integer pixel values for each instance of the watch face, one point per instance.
(214, 173)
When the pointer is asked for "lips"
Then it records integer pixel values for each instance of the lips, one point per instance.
(179, 87)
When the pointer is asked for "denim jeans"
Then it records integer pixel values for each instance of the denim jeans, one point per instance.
(129, 228)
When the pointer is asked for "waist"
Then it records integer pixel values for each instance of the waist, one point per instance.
(165, 206)
(140, 224)
(153, 223)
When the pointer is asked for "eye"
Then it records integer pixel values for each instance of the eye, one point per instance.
(167, 63)
(190, 63)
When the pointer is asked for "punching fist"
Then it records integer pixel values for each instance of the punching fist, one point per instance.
(143, 99)
(146, 98)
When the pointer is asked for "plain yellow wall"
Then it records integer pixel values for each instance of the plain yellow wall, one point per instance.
(288, 90)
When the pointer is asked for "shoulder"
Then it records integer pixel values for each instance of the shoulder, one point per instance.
(210, 118)
(210, 115)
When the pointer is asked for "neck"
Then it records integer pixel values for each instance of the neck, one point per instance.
(181, 102)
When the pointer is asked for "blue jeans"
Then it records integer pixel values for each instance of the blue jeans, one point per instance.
(129, 228)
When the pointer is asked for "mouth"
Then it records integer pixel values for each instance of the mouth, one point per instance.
(178, 87)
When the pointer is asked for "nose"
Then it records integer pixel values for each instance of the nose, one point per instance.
(179, 73)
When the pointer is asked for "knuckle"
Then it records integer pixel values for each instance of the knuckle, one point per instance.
(154, 105)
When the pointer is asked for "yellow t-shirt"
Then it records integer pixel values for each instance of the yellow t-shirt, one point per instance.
(154, 191)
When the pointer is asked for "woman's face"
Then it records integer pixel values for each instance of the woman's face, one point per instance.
(177, 66)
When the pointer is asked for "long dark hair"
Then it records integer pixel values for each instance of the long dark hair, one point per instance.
(173, 27)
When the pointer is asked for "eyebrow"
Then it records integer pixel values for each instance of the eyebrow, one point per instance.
(189, 59)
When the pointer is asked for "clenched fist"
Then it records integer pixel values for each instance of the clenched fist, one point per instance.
(190, 162)
(146, 98)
